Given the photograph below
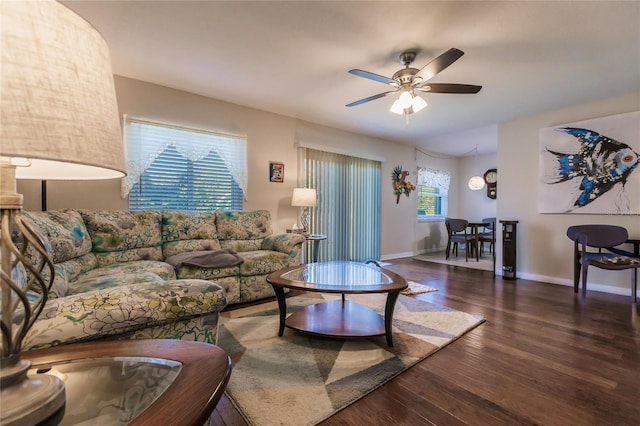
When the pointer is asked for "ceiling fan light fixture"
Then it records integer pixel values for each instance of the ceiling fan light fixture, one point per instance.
(405, 100)
(396, 107)
(418, 103)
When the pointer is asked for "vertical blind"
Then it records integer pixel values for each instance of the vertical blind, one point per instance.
(349, 203)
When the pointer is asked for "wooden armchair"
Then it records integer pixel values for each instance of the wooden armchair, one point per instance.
(457, 234)
(600, 237)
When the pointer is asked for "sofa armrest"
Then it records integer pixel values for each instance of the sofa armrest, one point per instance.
(284, 243)
(118, 310)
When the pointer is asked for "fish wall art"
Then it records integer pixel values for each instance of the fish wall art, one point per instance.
(591, 166)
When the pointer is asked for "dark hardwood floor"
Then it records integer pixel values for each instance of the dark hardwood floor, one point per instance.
(542, 357)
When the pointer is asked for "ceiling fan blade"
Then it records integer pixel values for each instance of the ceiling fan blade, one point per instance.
(371, 98)
(374, 77)
(439, 63)
(449, 88)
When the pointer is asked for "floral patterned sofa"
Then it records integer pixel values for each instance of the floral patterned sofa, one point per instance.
(113, 280)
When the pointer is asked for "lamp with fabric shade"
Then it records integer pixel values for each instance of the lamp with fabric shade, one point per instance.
(59, 121)
(305, 198)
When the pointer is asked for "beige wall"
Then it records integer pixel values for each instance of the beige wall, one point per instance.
(269, 137)
(544, 251)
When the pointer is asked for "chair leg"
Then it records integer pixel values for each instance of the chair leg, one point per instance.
(576, 267)
(634, 287)
(585, 265)
(448, 249)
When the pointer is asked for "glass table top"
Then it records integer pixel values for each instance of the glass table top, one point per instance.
(346, 275)
(110, 390)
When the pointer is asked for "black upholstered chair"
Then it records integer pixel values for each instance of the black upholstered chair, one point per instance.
(457, 234)
(488, 235)
(600, 237)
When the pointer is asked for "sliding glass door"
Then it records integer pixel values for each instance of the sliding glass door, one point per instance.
(349, 204)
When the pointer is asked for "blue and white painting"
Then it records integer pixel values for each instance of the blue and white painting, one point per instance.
(591, 166)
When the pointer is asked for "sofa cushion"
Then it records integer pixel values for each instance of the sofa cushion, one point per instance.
(189, 271)
(124, 309)
(68, 271)
(188, 231)
(120, 236)
(67, 243)
(65, 231)
(261, 262)
(119, 274)
(241, 230)
(101, 282)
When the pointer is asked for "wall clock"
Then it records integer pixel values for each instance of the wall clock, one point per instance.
(491, 179)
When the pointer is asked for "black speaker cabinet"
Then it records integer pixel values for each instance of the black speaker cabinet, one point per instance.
(509, 243)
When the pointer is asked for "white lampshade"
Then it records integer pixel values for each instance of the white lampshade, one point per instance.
(304, 197)
(407, 103)
(58, 120)
(58, 100)
(396, 107)
(476, 183)
(405, 99)
(418, 103)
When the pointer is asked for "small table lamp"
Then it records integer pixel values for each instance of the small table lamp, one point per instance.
(59, 119)
(305, 198)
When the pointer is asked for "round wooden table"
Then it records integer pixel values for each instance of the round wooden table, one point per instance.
(338, 318)
(111, 380)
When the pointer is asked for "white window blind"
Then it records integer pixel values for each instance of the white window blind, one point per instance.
(348, 207)
(173, 167)
(432, 189)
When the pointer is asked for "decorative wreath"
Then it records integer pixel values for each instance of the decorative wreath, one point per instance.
(400, 186)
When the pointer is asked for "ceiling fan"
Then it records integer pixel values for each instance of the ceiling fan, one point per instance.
(408, 80)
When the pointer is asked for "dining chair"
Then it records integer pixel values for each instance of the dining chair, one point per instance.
(600, 237)
(457, 234)
(488, 235)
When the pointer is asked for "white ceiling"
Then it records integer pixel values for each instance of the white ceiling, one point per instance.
(293, 57)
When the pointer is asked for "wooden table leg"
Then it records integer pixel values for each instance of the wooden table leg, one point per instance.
(282, 307)
(392, 297)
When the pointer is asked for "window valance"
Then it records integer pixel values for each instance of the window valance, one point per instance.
(434, 178)
(145, 141)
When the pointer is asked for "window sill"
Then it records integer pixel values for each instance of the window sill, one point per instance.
(430, 219)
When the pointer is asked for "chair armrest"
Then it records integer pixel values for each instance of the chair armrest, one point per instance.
(284, 243)
(118, 310)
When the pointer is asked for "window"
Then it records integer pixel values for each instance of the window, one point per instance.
(432, 189)
(183, 169)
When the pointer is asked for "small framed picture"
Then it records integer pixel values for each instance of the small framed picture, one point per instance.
(276, 172)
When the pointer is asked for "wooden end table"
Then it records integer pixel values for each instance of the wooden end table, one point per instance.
(136, 382)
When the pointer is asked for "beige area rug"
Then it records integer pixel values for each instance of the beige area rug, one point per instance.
(417, 288)
(485, 262)
(299, 379)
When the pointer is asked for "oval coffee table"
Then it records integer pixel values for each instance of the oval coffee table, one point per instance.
(338, 318)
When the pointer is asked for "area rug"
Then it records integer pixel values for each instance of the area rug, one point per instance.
(299, 379)
(417, 288)
(485, 263)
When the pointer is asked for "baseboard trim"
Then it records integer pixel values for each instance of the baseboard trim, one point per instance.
(604, 288)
